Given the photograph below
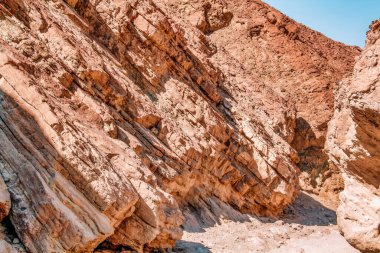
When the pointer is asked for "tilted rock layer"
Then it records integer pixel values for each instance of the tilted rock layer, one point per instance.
(300, 64)
(119, 120)
(353, 143)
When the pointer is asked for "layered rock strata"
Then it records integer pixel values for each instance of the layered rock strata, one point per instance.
(113, 117)
(301, 65)
(353, 144)
(119, 120)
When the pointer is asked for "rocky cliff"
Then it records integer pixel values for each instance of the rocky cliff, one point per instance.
(299, 64)
(353, 143)
(120, 121)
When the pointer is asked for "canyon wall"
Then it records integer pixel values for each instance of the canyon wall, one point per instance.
(299, 64)
(122, 122)
(353, 144)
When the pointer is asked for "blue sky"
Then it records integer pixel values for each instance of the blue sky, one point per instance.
(342, 20)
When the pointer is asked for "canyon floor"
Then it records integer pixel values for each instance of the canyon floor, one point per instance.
(307, 226)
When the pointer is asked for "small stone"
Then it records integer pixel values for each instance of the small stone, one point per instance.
(279, 223)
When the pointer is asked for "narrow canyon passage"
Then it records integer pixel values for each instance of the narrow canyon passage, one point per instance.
(144, 126)
(307, 226)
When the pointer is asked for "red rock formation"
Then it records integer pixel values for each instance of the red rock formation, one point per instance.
(301, 65)
(353, 144)
(118, 119)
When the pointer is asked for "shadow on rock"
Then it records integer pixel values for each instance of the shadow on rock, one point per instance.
(190, 247)
(209, 212)
(308, 211)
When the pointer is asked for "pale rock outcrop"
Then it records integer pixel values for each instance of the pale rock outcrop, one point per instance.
(353, 144)
(5, 247)
(5, 200)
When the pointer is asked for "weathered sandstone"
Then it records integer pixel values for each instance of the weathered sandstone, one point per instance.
(353, 144)
(112, 117)
(300, 64)
(120, 121)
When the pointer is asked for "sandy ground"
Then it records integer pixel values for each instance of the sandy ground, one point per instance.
(308, 226)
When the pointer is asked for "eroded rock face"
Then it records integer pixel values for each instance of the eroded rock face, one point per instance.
(301, 65)
(119, 119)
(353, 143)
(113, 118)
